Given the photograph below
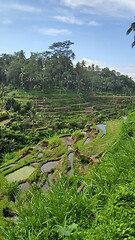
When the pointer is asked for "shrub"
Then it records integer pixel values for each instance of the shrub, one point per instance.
(58, 125)
(3, 115)
(78, 135)
(73, 124)
(12, 103)
(55, 142)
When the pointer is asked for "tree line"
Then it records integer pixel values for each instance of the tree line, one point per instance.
(54, 69)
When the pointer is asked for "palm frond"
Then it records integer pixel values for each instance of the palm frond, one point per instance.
(133, 44)
(129, 30)
(133, 26)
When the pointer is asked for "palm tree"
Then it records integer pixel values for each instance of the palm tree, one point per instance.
(132, 27)
(33, 116)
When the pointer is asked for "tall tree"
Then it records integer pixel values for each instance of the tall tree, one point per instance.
(30, 70)
(61, 58)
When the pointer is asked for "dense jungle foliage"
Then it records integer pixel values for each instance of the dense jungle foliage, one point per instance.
(54, 68)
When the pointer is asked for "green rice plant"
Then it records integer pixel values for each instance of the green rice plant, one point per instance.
(11, 190)
(78, 135)
(55, 142)
(58, 124)
(58, 103)
(29, 93)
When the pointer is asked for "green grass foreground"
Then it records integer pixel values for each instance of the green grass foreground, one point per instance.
(104, 209)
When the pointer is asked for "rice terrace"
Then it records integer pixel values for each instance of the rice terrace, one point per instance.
(67, 146)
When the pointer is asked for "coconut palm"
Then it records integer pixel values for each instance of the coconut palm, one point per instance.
(132, 27)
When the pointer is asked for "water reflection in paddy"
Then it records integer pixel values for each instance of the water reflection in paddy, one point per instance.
(87, 141)
(40, 154)
(102, 127)
(47, 166)
(85, 167)
(83, 132)
(93, 156)
(70, 172)
(24, 186)
(34, 164)
(69, 148)
(70, 157)
(12, 164)
(39, 148)
(46, 186)
(68, 140)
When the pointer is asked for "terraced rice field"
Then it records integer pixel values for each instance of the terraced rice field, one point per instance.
(70, 105)
(20, 174)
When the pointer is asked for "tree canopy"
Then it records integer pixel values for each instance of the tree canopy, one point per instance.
(54, 68)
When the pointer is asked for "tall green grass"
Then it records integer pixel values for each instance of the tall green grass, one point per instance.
(39, 213)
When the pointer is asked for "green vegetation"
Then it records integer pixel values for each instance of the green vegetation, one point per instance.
(77, 135)
(3, 115)
(108, 196)
(61, 176)
(11, 190)
(53, 71)
(101, 145)
(79, 206)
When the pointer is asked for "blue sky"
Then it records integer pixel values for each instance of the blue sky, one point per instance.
(97, 28)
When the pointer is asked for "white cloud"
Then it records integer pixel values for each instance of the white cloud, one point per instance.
(128, 70)
(89, 62)
(117, 8)
(95, 3)
(6, 21)
(69, 19)
(54, 31)
(77, 3)
(20, 7)
(132, 75)
(25, 8)
(131, 66)
(93, 23)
